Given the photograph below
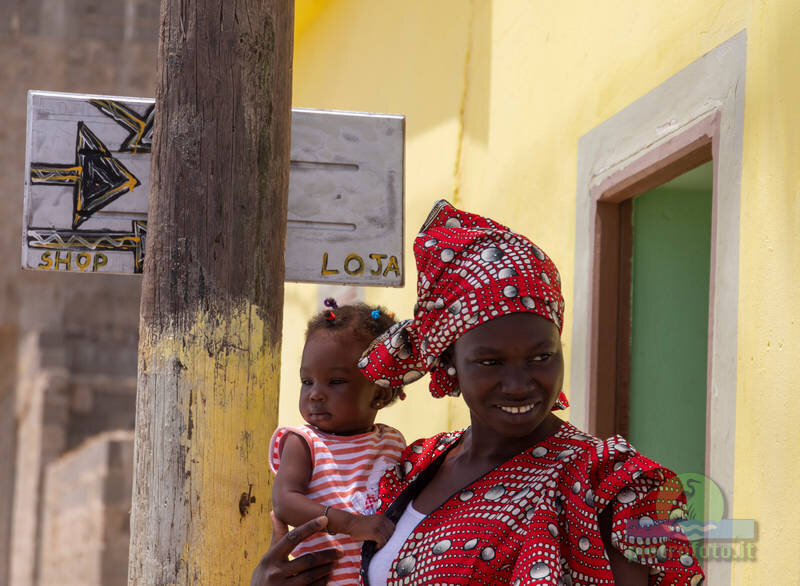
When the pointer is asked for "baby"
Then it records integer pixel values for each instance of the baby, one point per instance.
(332, 465)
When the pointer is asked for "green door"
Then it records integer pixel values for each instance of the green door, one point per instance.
(669, 321)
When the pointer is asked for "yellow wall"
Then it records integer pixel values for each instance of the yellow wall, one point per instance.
(768, 406)
(348, 58)
(497, 95)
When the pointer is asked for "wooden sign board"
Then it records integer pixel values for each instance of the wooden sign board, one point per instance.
(87, 182)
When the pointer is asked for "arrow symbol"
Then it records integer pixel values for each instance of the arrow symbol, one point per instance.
(98, 177)
(93, 241)
(140, 126)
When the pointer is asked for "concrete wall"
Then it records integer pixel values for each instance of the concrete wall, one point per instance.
(497, 96)
(85, 519)
(40, 412)
(8, 450)
(57, 408)
(67, 342)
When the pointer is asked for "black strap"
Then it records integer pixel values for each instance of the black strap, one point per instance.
(396, 509)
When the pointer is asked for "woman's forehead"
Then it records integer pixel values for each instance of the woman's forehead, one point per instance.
(516, 328)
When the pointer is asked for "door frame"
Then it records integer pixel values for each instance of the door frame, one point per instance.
(695, 115)
(609, 383)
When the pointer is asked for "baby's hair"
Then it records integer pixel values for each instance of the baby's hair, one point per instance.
(367, 320)
(364, 321)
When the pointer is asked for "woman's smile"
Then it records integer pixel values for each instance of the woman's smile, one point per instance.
(518, 409)
(510, 371)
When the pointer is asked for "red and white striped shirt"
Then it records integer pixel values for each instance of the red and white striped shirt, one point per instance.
(346, 473)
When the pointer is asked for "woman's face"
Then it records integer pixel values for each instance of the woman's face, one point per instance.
(510, 371)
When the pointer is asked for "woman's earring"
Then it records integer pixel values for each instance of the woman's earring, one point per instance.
(451, 370)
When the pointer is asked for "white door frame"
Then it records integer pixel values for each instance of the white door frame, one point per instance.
(619, 159)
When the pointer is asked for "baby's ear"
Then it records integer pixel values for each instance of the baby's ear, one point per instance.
(382, 397)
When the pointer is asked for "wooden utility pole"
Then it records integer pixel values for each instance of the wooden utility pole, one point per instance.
(212, 292)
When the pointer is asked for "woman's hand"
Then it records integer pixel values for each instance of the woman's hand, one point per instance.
(377, 528)
(275, 568)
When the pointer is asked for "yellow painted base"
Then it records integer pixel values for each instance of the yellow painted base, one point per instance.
(220, 374)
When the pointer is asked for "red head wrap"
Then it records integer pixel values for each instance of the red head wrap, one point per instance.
(470, 270)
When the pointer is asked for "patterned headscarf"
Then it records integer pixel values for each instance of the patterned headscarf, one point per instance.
(470, 270)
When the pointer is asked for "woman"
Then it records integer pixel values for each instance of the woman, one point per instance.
(519, 497)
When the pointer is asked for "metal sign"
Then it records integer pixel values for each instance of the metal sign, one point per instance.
(87, 175)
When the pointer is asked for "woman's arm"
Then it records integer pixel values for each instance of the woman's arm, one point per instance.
(625, 573)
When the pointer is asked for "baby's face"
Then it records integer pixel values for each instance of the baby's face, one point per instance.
(334, 395)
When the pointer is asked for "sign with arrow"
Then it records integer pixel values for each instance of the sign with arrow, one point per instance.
(87, 185)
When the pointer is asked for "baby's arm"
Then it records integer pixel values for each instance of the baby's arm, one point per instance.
(289, 498)
(292, 506)
(375, 528)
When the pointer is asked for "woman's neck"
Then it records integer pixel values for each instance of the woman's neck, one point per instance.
(480, 444)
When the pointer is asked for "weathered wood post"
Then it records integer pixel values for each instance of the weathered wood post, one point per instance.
(212, 293)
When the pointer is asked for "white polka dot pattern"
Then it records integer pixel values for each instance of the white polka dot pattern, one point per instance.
(534, 520)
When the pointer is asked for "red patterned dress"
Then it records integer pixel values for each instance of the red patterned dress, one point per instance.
(534, 519)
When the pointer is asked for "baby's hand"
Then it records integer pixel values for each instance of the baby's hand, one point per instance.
(375, 528)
